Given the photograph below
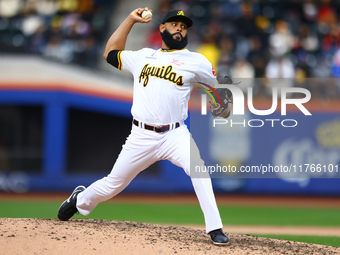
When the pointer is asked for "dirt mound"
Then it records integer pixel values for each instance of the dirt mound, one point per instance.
(50, 236)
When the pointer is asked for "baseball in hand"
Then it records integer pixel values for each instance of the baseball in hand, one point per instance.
(146, 14)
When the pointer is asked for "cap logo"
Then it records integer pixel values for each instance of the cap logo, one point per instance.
(180, 13)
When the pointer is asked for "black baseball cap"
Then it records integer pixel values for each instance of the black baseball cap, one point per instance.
(174, 15)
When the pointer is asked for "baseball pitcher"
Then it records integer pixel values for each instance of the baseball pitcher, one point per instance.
(163, 81)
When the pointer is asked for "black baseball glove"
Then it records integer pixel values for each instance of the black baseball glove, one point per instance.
(220, 106)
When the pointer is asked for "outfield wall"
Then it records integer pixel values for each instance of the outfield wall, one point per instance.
(55, 137)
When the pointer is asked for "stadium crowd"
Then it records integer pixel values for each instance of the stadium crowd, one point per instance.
(69, 31)
(287, 40)
(290, 39)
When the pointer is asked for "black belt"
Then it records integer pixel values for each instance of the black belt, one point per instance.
(157, 129)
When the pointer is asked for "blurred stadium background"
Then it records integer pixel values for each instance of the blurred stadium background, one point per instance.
(64, 112)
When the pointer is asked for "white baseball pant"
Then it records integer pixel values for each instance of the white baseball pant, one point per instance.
(141, 149)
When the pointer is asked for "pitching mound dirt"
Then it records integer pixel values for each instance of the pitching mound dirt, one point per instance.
(50, 236)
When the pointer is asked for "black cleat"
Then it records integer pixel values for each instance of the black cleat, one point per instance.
(218, 237)
(68, 208)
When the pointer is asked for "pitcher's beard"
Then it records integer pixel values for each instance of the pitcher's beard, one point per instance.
(173, 43)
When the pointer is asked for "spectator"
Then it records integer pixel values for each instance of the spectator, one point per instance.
(10, 8)
(245, 70)
(281, 41)
(209, 49)
(227, 56)
(331, 40)
(280, 73)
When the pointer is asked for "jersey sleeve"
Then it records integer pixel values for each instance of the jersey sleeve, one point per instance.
(123, 60)
(206, 72)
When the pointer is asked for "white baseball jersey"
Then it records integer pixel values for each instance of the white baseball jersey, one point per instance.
(163, 81)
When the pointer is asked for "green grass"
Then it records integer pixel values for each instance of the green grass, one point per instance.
(183, 214)
(280, 216)
(323, 240)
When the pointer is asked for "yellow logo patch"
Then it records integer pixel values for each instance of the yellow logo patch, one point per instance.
(180, 13)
